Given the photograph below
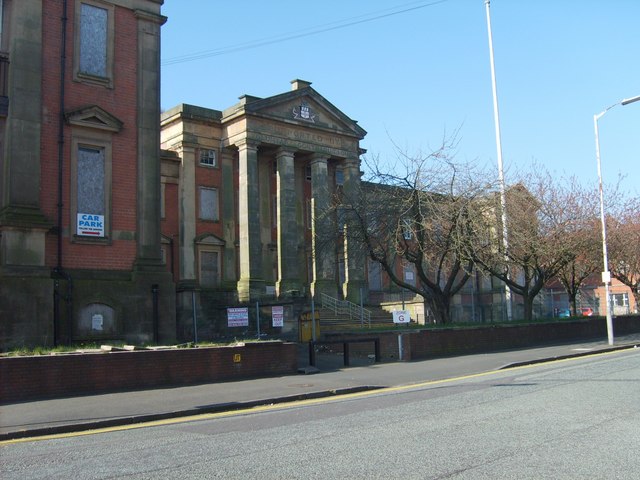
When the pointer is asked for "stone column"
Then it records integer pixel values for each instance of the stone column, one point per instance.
(323, 238)
(250, 284)
(187, 217)
(288, 269)
(354, 258)
(149, 254)
(22, 224)
(228, 217)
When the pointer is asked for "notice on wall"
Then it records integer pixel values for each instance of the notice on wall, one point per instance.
(401, 316)
(90, 225)
(277, 316)
(238, 317)
(97, 322)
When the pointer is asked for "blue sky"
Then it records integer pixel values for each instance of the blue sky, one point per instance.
(409, 77)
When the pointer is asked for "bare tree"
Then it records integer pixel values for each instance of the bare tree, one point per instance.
(416, 218)
(585, 241)
(542, 217)
(623, 230)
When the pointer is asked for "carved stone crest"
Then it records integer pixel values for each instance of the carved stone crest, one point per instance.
(304, 112)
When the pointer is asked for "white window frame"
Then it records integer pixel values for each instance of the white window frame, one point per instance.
(208, 157)
(407, 231)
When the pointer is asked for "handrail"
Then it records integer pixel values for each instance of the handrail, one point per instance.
(345, 307)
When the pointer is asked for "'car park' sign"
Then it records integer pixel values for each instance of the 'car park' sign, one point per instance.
(90, 225)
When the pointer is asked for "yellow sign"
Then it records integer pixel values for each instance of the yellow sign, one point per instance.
(237, 358)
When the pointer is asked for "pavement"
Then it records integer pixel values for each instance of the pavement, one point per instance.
(63, 415)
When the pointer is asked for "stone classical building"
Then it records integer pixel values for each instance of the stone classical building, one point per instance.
(80, 250)
(246, 189)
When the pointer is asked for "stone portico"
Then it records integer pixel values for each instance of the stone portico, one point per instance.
(280, 161)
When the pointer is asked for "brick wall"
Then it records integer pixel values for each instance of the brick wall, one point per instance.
(120, 101)
(28, 378)
(433, 343)
(423, 344)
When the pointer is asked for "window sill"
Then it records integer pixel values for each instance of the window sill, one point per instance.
(93, 80)
(80, 239)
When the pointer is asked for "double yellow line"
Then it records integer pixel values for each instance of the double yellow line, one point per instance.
(283, 406)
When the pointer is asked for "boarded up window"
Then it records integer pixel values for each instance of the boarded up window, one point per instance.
(208, 203)
(209, 270)
(91, 171)
(93, 40)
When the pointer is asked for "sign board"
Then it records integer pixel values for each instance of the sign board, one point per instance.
(277, 316)
(238, 317)
(97, 322)
(606, 277)
(401, 316)
(89, 225)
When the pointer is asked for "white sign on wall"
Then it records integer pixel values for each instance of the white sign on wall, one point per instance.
(277, 316)
(238, 317)
(401, 316)
(90, 225)
(97, 322)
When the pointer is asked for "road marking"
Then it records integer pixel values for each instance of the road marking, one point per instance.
(293, 404)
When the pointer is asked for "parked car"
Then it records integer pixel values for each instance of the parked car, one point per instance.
(564, 313)
(586, 311)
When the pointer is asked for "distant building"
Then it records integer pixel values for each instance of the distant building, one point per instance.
(244, 190)
(80, 252)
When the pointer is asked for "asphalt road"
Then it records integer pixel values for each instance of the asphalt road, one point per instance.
(577, 418)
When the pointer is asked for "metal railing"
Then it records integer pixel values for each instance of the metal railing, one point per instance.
(346, 308)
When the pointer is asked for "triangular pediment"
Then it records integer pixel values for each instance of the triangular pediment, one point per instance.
(209, 239)
(94, 117)
(305, 107)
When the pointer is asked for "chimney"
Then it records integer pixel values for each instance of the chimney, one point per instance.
(298, 84)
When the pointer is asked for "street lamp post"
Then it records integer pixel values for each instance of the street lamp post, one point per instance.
(606, 274)
(503, 195)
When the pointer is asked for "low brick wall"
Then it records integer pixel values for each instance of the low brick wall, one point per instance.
(435, 343)
(430, 343)
(28, 378)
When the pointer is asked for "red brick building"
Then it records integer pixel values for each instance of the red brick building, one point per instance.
(80, 254)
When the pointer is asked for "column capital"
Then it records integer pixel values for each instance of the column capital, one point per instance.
(351, 162)
(317, 157)
(185, 148)
(247, 144)
(285, 152)
(227, 152)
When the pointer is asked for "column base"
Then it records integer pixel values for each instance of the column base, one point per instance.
(328, 287)
(250, 289)
(355, 290)
(289, 289)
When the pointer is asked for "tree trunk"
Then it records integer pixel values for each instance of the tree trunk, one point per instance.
(528, 307)
(573, 301)
(439, 305)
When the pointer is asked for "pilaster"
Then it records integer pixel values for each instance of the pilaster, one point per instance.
(187, 215)
(228, 217)
(288, 271)
(251, 284)
(22, 224)
(354, 255)
(323, 236)
(149, 254)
